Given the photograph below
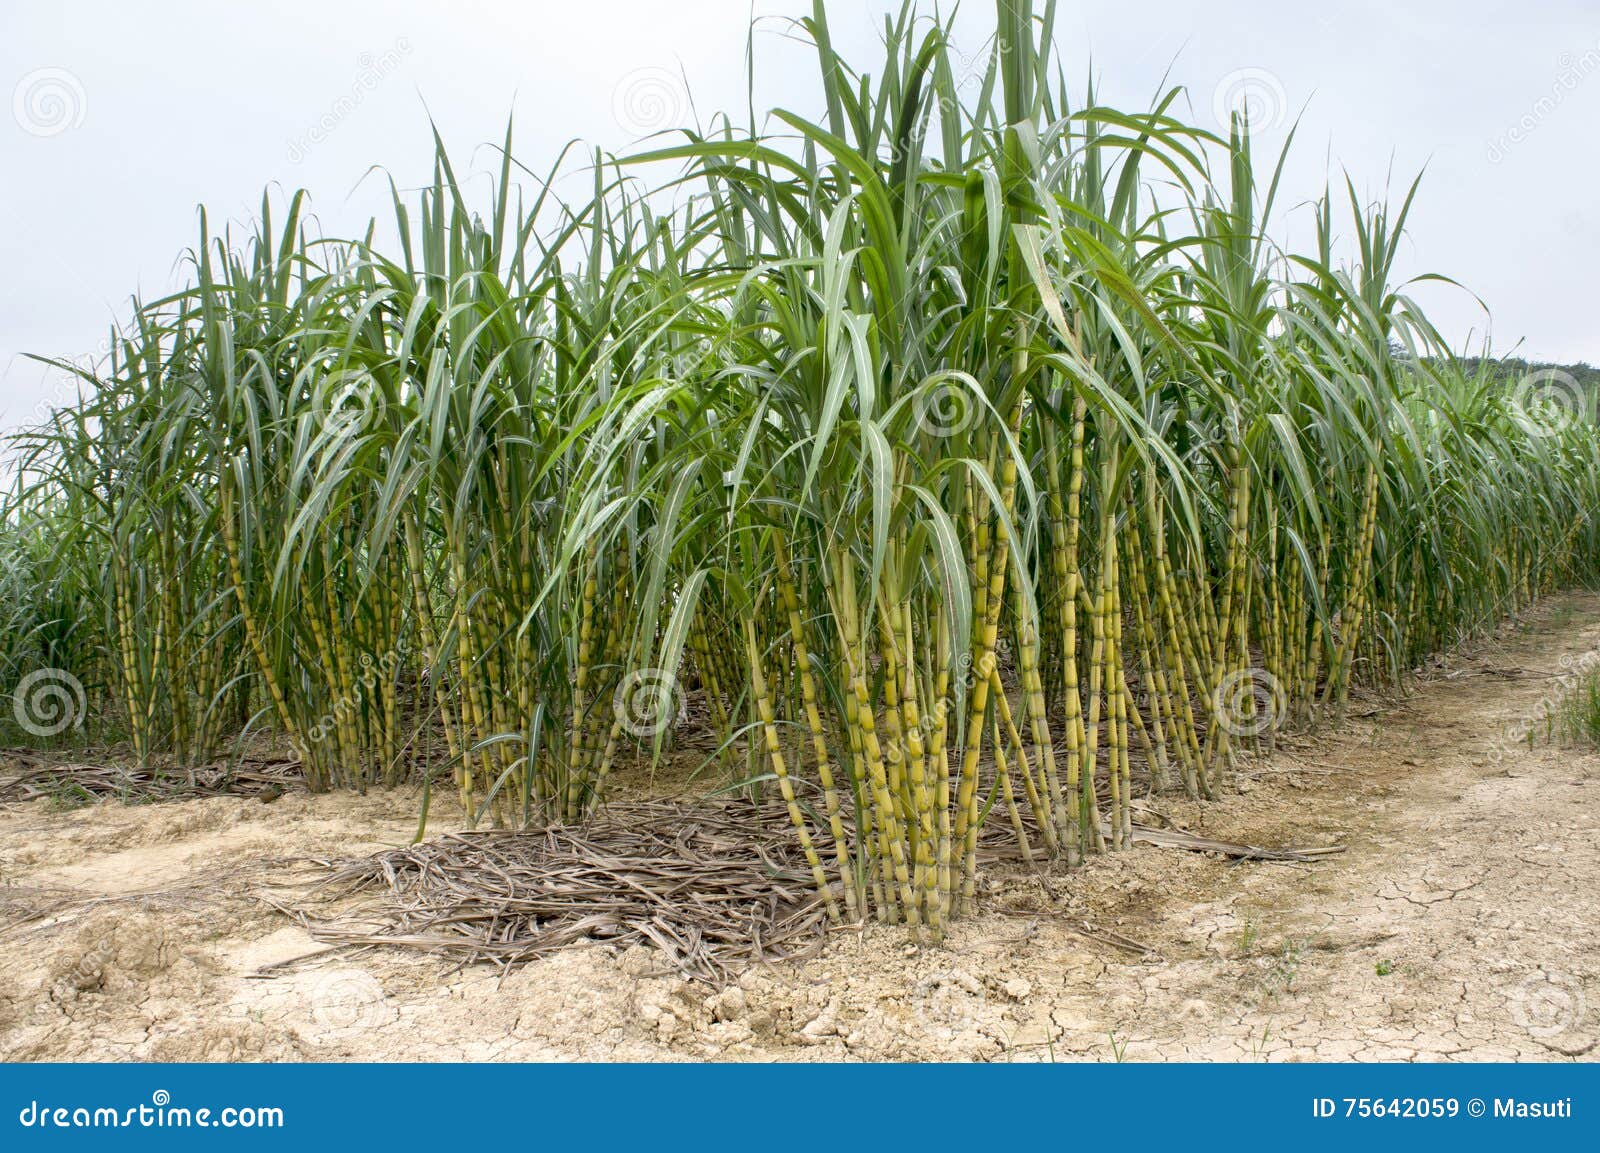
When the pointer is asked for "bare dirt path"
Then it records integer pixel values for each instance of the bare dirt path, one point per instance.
(1462, 923)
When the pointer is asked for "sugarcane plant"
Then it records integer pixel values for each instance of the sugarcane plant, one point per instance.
(961, 459)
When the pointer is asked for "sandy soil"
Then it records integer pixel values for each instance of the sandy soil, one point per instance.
(1462, 923)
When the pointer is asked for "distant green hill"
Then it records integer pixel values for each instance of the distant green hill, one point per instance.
(1513, 368)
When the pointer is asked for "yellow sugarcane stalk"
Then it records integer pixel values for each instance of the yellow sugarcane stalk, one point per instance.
(780, 769)
(967, 797)
(819, 742)
(1339, 675)
(1035, 711)
(1074, 832)
(580, 682)
(897, 898)
(430, 640)
(230, 542)
(1122, 798)
(1006, 725)
(1004, 775)
(937, 882)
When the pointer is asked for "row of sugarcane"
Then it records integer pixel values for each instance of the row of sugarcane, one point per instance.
(955, 477)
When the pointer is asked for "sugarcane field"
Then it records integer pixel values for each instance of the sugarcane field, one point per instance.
(812, 532)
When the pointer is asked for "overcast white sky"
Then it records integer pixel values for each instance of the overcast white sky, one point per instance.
(126, 117)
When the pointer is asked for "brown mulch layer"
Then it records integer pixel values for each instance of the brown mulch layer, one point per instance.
(80, 784)
(715, 887)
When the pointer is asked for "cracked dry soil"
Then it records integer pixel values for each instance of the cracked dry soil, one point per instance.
(1461, 924)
